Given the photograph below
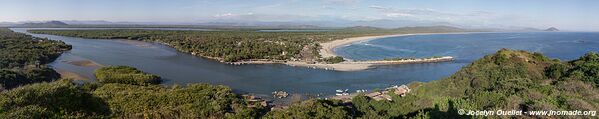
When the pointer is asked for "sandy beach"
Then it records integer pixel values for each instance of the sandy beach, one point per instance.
(350, 65)
(363, 65)
(327, 48)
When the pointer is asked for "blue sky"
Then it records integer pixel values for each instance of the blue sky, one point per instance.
(566, 14)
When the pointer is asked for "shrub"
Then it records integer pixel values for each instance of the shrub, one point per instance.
(125, 75)
(59, 99)
(201, 101)
(313, 109)
(333, 60)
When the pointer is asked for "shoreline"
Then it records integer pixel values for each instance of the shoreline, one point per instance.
(327, 50)
(72, 75)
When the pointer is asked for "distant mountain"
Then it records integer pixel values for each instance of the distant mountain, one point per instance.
(432, 29)
(552, 29)
(362, 28)
(44, 24)
(7, 24)
(93, 22)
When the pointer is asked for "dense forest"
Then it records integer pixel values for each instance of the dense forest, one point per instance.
(238, 44)
(23, 59)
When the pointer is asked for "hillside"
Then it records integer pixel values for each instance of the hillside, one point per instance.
(44, 24)
(23, 59)
(432, 29)
(507, 80)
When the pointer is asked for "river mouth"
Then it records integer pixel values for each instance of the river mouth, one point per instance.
(262, 79)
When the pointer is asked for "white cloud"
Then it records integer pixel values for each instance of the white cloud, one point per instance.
(398, 15)
(225, 15)
(250, 16)
(340, 1)
(378, 7)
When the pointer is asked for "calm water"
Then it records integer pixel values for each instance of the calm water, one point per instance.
(469, 47)
(182, 68)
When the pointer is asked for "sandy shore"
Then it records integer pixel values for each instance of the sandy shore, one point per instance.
(327, 51)
(363, 65)
(71, 75)
(85, 63)
(343, 66)
(327, 48)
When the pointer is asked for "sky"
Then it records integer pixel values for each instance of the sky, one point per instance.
(579, 15)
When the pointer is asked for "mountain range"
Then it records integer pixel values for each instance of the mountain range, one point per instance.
(387, 24)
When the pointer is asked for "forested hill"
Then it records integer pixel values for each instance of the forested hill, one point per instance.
(514, 80)
(243, 44)
(507, 80)
(23, 58)
(44, 24)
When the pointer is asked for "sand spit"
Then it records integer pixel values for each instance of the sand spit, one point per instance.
(71, 75)
(85, 63)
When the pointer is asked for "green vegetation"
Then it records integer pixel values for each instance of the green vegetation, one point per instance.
(192, 101)
(333, 60)
(63, 99)
(59, 99)
(238, 44)
(23, 59)
(125, 75)
(313, 109)
(507, 80)
(584, 69)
